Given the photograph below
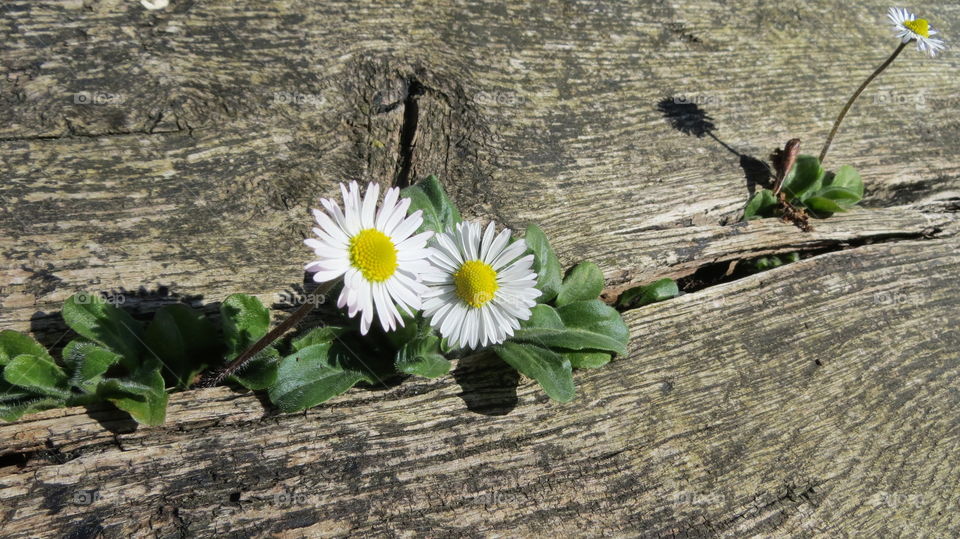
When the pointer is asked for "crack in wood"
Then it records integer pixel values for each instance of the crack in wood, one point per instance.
(408, 131)
(714, 273)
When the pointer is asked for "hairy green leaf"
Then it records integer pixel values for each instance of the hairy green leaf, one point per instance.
(823, 207)
(422, 357)
(761, 204)
(588, 360)
(440, 214)
(88, 362)
(260, 372)
(848, 178)
(654, 292)
(551, 370)
(104, 324)
(244, 321)
(182, 339)
(545, 264)
(543, 316)
(142, 395)
(308, 377)
(587, 326)
(13, 410)
(583, 282)
(599, 318)
(321, 335)
(39, 375)
(805, 176)
(14, 343)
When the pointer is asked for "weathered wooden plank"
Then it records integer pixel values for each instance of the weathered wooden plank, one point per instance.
(820, 411)
(229, 119)
(523, 104)
(178, 150)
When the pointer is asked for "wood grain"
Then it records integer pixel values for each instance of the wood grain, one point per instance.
(172, 156)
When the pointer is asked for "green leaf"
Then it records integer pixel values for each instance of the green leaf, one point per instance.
(848, 178)
(583, 282)
(543, 330)
(411, 328)
(39, 375)
(841, 195)
(142, 395)
(762, 263)
(761, 204)
(88, 362)
(104, 324)
(599, 318)
(181, 339)
(588, 360)
(804, 175)
(14, 410)
(11, 393)
(639, 296)
(440, 214)
(260, 372)
(543, 316)
(308, 377)
(551, 370)
(422, 357)
(358, 354)
(244, 321)
(321, 335)
(545, 263)
(823, 207)
(14, 343)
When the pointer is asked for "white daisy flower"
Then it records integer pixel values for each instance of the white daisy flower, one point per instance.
(375, 252)
(908, 27)
(480, 287)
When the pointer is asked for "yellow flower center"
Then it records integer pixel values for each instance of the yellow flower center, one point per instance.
(920, 27)
(372, 252)
(476, 282)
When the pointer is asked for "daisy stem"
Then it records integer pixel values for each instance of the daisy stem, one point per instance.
(215, 378)
(846, 108)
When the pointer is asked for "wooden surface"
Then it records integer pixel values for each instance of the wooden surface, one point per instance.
(172, 155)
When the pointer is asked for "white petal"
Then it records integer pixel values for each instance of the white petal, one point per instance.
(329, 227)
(402, 296)
(472, 327)
(443, 262)
(417, 242)
(367, 310)
(499, 243)
(334, 211)
(488, 236)
(512, 252)
(448, 246)
(369, 207)
(329, 264)
(326, 276)
(407, 227)
(453, 320)
(398, 215)
(381, 304)
(387, 208)
(351, 209)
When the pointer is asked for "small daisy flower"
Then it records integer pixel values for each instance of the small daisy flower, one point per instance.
(908, 27)
(376, 253)
(480, 287)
